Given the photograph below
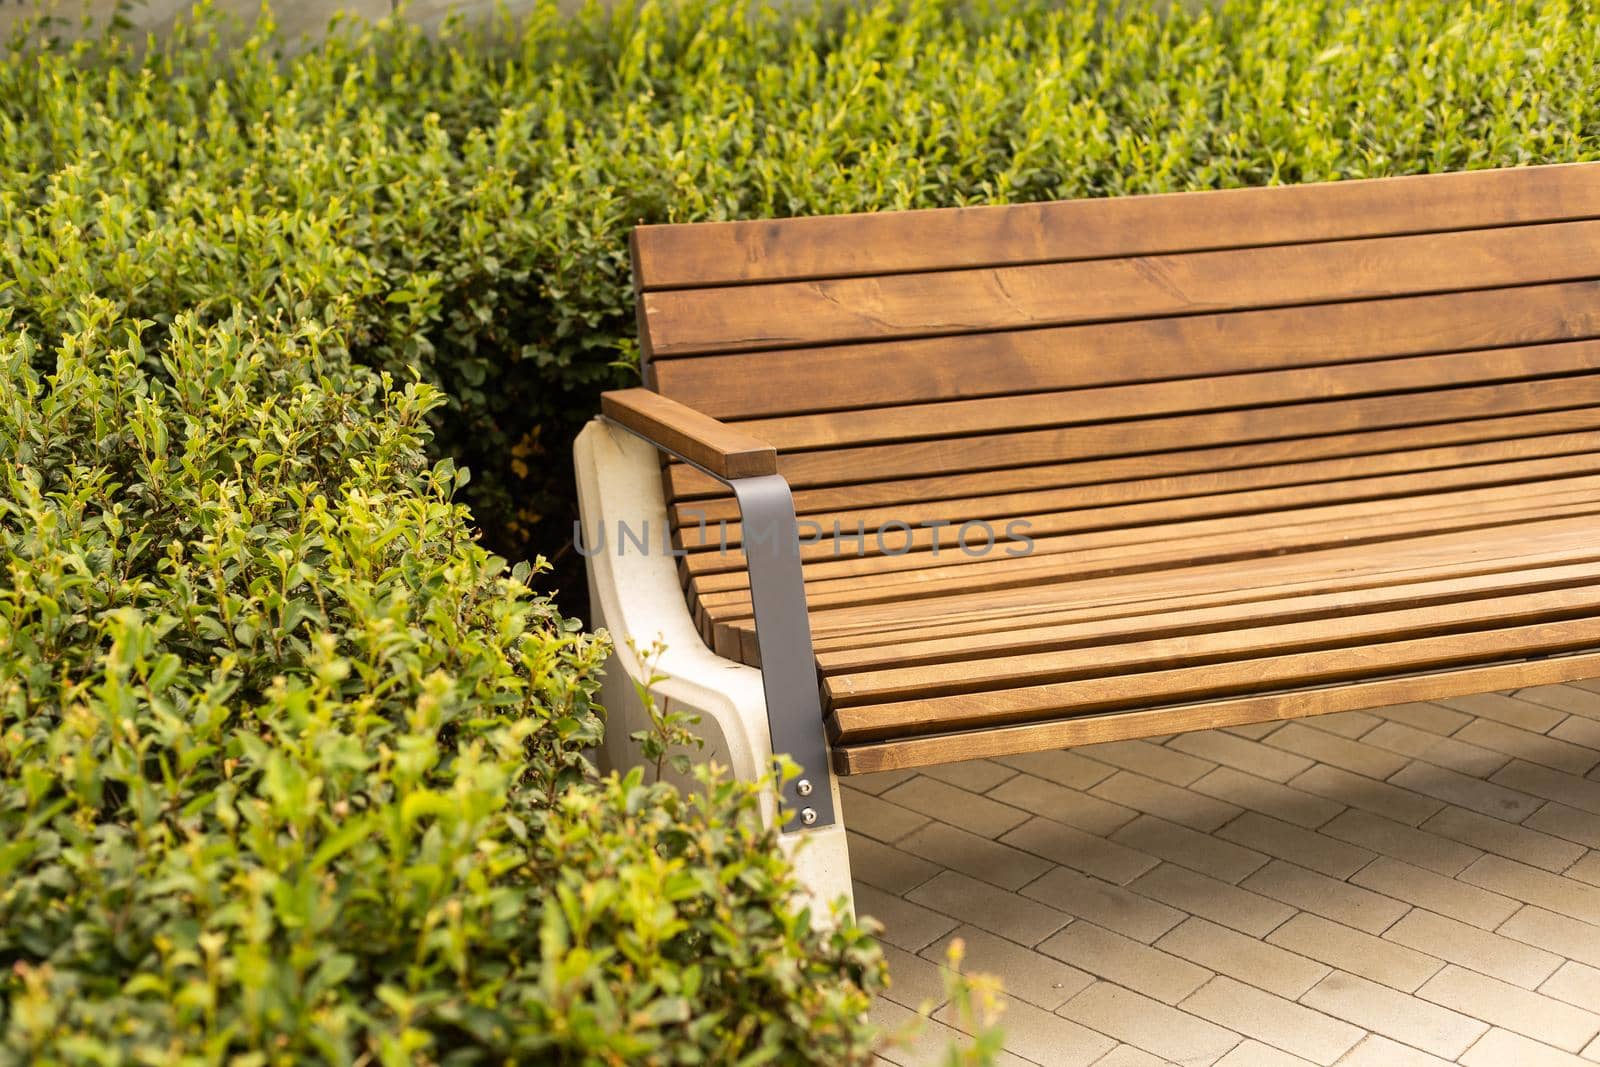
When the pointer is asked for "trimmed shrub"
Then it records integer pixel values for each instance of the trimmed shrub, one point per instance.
(291, 768)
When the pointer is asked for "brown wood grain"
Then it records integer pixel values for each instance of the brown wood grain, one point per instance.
(725, 452)
(845, 245)
(844, 377)
(1073, 730)
(795, 314)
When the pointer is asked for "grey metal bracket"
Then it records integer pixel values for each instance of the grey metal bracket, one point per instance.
(771, 542)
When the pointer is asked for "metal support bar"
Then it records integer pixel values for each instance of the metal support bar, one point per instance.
(771, 542)
(783, 632)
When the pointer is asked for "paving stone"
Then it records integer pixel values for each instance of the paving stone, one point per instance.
(877, 818)
(878, 781)
(1104, 904)
(1575, 983)
(1404, 1018)
(1478, 950)
(1240, 909)
(975, 776)
(1190, 848)
(930, 1042)
(1169, 802)
(1252, 731)
(1153, 761)
(1585, 870)
(957, 807)
(1241, 754)
(1081, 851)
(890, 869)
(1522, 843)
(1556, 933)
(913, 981)
(1435, 718)
(1082, 810)
(1399, 841)
(1520, 882)
(1248, 959)
(1252, 1053)
(1029, 974)
(1570, 824)
(1306, 848)
(1509, 710)
(1149, 1024)
(1375, 1050)
(1465, 791)
(1323, 747)
(1332, 899)
(1446, 896)
(1347, 724)
(983, 905)
(1356, 951)
(1268, 798)
(1355, 791)
(1535, 748)
(1543, 782)
(1281, 1023)
(1129, 1056)
(980, 857)
(1502, 1048)
(1044, 1038)
(905, 924)
(1063, 767)
(1432, 748)
(1574, 699)
(1126, 962)
(1579, 731)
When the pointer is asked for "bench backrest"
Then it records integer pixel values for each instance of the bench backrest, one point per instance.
(1047, 358)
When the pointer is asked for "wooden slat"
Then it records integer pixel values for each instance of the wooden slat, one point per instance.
(999, 493)
(1083, 628)
(712, 547)
(1166, 650)
(963, 418)
(721, 612)
(725, 452)
(998, 707)
(1266, 532)
(844, 245)
(1238, 711)
(1262, 584)
(1320, 570)
(844, 377)
(1443, 418)
(795, 314)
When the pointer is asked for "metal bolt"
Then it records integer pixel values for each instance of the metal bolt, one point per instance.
(808, 816)
(803, 787)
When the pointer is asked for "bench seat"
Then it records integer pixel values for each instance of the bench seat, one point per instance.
(1226, 456)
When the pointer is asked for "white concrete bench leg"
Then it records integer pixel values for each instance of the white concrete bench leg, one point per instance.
(636, 595)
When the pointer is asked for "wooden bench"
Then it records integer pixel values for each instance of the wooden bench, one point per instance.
(1274, 452)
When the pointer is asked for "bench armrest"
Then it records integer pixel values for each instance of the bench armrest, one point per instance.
(749, 467)
(720, 450)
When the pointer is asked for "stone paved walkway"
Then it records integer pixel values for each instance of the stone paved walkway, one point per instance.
(1416, 885)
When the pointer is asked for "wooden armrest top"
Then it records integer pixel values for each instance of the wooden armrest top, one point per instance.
(700, 439)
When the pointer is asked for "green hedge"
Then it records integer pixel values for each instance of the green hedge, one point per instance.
(471, 195)
(291, 768)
